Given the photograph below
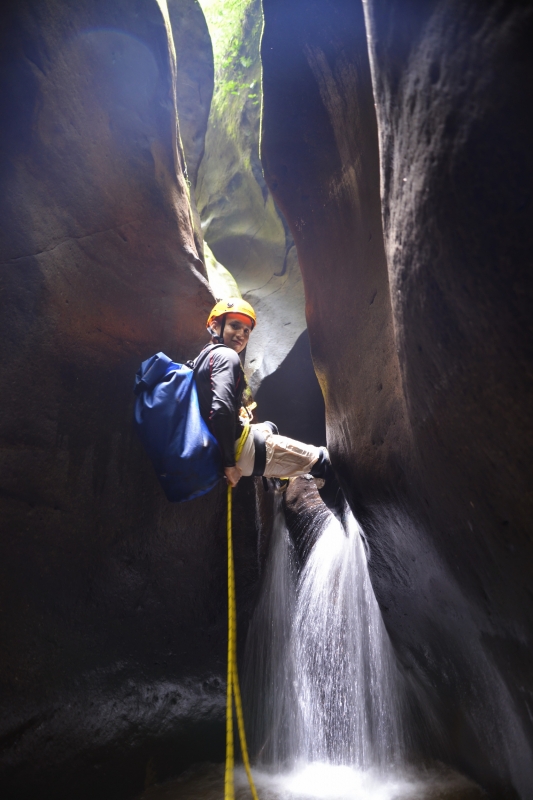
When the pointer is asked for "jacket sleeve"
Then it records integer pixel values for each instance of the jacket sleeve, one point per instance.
(225, 376)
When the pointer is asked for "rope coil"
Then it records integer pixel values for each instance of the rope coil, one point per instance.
(233, 692)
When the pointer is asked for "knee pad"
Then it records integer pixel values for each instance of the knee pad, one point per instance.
(272, 426)
(260, 451)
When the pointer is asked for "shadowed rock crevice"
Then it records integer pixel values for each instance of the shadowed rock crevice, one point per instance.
(291, 397)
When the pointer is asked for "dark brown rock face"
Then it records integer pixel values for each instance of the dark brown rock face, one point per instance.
(422, 338)
(195, 78)
(194, 89)
(113, 601)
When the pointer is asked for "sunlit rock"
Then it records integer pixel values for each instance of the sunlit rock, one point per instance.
(221, 281)
(239, 219)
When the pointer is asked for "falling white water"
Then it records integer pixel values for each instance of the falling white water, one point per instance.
(324, 702)
(269, 679)
(346, 688)
(320, 671)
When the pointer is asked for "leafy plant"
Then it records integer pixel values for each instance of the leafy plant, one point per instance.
(235, 47)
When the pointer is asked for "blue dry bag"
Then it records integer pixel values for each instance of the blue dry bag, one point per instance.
(184, 452)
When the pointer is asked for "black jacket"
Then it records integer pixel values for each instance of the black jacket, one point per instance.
(220, 383)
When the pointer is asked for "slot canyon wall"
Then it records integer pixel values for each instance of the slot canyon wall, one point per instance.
(419, 314)
(244, 229)
(113, 622)
(420, 320)
(240, 221)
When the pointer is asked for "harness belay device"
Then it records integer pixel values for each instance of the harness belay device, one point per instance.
(184, 452)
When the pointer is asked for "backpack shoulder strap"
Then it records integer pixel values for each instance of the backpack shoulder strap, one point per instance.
(198, 361)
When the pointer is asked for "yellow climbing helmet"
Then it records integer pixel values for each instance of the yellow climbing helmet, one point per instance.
(234, 305)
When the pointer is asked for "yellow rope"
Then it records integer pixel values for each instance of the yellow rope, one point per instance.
(243, 438)
(233, 689)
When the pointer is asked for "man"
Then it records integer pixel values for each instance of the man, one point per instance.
(221, 383)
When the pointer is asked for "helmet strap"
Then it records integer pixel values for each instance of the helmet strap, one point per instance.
(219, 338)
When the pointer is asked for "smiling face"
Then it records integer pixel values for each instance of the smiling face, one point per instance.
(237, 331)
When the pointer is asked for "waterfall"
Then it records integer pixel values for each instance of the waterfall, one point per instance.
(346, 687)
(268, 675)
(320, 674)
(324, 700)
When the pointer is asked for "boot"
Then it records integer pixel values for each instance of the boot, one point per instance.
(327, 483)
(322, 467)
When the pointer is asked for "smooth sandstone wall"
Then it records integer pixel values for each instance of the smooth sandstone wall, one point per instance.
(421, 336)
(113, 601)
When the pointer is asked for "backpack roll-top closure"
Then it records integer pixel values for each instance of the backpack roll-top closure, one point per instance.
(152, 371)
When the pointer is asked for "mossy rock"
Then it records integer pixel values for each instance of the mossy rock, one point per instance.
(239, 217)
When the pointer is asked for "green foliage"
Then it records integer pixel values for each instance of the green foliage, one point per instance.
(225, 22)
(235, 48)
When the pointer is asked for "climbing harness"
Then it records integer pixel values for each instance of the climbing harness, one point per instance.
(233, 689)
